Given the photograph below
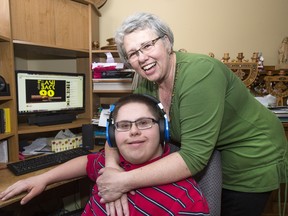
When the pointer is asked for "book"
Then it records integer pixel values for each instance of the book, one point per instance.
(283, 119)
(114, 74)
(3, 151)
(2, 121)
(109, 80)
(279, 110)
(7, 120)
(281, 114)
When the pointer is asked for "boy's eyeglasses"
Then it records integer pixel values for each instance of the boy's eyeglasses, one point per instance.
(144, 49)
(141, 124)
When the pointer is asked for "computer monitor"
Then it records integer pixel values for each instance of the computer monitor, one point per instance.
(47, 98)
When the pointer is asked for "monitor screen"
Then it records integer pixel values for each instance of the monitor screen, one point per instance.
(49, 92)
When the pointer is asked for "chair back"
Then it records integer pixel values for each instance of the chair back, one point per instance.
(210, 182)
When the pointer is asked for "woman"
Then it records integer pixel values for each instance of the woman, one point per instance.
(209, 108)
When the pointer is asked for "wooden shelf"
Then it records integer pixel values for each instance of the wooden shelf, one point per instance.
(112, 91)
(7, 71)
(6, 135)
(4, 39)
(104, 51)
(27, 129)
(101, 53)
(44, 51)
(5, 98)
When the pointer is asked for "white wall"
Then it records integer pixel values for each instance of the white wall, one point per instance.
(58, 65)
(205, 26)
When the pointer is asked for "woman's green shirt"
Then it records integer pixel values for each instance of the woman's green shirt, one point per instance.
(212, 108)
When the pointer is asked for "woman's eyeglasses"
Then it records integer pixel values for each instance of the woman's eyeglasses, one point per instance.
(141, 124)
(144, 49)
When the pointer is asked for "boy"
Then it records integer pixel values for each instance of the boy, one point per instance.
(137, 126)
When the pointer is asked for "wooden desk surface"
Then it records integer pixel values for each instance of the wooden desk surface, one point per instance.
(7, 178)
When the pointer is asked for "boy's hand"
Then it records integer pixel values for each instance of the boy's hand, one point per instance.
(118, 207)
(34, 186)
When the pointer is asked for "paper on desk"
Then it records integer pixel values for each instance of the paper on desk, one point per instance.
(3, 151)
(64, 134)
(35, 146)
(104, 116)
(109, 57)
(267, 100)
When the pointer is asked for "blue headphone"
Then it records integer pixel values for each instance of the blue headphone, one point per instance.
(163, 124)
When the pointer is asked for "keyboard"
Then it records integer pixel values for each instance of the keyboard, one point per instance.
(45, 161)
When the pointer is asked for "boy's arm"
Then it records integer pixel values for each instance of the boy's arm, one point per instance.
(37, 184)
(71, 169)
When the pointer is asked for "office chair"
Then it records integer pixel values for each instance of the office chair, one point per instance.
(210, 182)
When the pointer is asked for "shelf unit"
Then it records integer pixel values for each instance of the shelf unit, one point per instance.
(7, 72)
(51, 35)
(105, 96)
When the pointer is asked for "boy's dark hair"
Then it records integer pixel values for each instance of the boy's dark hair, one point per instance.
(137, 98)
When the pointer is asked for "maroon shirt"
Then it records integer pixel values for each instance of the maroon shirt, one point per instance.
(180, 198)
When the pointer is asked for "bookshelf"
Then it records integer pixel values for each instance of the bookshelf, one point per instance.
(107, 96)
(7, 71)
(48, 35)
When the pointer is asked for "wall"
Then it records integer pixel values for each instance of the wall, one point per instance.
(58, 65)
(205, 26)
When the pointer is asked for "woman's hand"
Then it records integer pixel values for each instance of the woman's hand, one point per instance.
(34, 186)
(111, 184)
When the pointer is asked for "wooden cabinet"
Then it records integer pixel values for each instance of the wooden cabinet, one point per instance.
(48, 35)
(53, 23)
(7, 72)
(32, 21)
(71, 24)
(5, 25)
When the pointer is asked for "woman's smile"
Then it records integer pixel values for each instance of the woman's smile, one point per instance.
(148, 66)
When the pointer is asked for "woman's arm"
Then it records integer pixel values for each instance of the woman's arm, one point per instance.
(37, 184)
(113, 183)
(111, 157)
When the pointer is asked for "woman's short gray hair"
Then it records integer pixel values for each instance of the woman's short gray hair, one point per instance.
(141, 21)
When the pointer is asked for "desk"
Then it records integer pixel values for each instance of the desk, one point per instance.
(7, 178)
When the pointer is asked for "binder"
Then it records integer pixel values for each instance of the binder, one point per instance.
(2, 121)
(7, 120)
